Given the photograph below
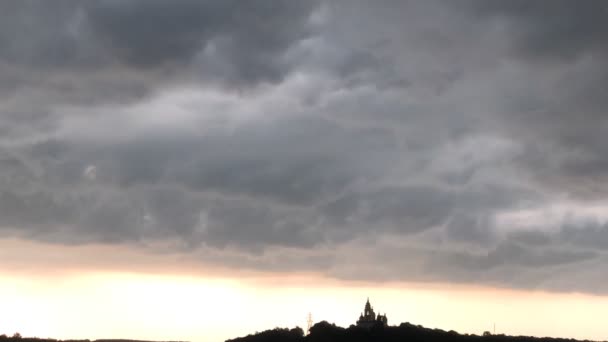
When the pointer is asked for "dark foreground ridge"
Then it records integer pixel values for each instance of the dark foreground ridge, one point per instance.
(18, 338)
(325, 332)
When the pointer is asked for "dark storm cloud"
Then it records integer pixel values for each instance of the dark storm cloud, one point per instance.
(560, 107)
(41, 35)
(509, 253)
(249, 37)
(590, 234)
(409, 209)
(471, 228)
(284, 161)
(147, 186)
(385, 140)
(213, 41)
(531, 237)
(545, 31)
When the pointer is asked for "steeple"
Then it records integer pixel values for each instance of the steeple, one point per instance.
(369, 317)
(368, 313)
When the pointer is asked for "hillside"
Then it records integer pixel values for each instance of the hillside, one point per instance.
(19, 338)
(325, 332)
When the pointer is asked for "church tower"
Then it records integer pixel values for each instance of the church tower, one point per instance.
(369, 319)
(369, 311)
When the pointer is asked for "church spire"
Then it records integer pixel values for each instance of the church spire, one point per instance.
(369, 317)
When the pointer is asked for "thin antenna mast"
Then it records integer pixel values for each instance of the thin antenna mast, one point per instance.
(309, 323)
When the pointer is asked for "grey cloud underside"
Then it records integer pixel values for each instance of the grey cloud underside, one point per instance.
(385, 140)
(561, 30)
(74, 49)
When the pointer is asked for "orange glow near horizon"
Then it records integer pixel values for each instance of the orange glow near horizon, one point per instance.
(177, 306)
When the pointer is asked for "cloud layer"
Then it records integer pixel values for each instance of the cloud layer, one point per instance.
(414, 140)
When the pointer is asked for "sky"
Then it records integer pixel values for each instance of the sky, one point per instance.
(201, 170)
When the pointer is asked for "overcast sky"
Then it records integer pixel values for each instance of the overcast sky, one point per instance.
(417, 141)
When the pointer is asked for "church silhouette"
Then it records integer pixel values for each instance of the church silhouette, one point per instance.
(369, 319)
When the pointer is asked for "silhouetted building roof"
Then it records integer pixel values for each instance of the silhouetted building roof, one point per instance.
(368, 317)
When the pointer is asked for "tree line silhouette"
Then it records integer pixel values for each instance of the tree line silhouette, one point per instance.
(326, 332)
(16, 337)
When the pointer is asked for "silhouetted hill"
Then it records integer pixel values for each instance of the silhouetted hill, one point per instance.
(325, 332)
(274, 335)
(18, 338)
